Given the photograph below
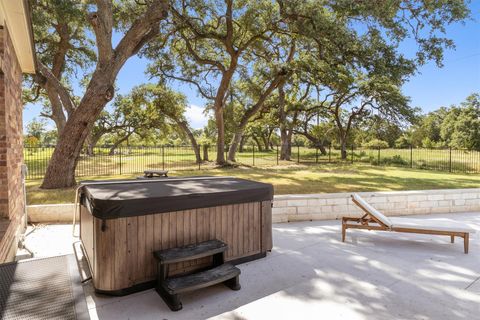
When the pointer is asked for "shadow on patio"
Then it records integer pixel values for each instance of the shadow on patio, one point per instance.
(312, 274)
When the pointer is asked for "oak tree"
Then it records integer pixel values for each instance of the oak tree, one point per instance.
(137, 23)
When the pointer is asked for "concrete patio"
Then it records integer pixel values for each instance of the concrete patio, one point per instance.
(311, 274)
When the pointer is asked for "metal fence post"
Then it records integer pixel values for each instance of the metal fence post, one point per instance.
(277, 154)
(138, 158)
(450, 161)
(199, 150)
(163, 157)
(253, 155)
(120, 155)
(411, 156)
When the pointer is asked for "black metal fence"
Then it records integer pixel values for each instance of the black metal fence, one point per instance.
(135, 159)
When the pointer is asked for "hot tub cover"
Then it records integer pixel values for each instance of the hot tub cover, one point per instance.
(127, 198)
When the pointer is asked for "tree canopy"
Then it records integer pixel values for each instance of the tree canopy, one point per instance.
(266, 68)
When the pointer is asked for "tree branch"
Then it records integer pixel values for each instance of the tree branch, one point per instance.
(102, 23)
(199, 59)
(61, 91)
(141, 31)
(189, 80)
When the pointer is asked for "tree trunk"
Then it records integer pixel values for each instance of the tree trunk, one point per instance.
(316, 142)
(269, 139)
(219, 105)
(286, 147)
(220, 136)
(89, 146)
(61, 168)
(322, 149)
(91, 143)
(237, 138)
(117, 143)
(242, 143)
(57, 115)
(278, 81)
(343, 148)
(184, 127)
(285, 134)
(100, 90)
(205, 152)
(259, 144)
(265, 142)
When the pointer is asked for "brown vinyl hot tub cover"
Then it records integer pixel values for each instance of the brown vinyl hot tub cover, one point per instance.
(115, 199)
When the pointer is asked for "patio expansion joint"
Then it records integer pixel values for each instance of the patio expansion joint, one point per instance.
(472, 283)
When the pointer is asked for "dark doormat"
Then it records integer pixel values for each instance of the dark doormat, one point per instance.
(48, 288)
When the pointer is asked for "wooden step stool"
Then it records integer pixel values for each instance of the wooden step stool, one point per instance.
(220, 272)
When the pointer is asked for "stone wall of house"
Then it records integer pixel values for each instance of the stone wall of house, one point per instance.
(327, 206)
(11, 149)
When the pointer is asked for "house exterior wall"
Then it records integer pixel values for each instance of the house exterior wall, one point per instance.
(11, 149)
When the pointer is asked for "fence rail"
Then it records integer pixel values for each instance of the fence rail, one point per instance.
(131, 160)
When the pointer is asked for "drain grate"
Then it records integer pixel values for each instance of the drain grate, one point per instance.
(36, 289)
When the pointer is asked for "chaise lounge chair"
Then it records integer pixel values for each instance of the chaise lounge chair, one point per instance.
(375, 220)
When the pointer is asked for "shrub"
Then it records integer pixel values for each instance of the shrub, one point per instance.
(402, 142)
(376, 143)
(397, 159)
(32, 141)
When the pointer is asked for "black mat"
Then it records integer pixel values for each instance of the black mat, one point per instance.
(41, 289)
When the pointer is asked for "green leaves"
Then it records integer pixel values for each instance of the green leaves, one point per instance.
(61, 33)
(461, 126)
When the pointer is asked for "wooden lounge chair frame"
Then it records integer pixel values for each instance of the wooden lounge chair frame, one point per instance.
(370, 222)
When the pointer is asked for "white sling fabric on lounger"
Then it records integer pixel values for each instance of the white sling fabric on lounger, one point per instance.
(419, 224)
(374, 212)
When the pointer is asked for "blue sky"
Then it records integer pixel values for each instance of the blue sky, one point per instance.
(430, 89)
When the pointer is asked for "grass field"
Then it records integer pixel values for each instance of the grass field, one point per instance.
(136, 159)
(302, 178)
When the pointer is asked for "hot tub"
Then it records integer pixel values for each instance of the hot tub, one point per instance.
(123, 222)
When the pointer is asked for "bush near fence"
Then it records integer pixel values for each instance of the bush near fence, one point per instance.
(136, 159)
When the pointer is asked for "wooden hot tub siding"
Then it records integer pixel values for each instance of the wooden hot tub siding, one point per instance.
(121, 256)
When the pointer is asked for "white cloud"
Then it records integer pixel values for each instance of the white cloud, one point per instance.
(196, 116)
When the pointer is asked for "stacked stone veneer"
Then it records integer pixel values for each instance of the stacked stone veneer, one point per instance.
(11, 149)
(301, 207)
(326, 206)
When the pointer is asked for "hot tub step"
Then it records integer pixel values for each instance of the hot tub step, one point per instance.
(169, 288)
(203, 279)
(190, 252)
(220, 272)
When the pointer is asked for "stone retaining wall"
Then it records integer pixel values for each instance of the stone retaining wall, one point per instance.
(51, 213)
(328, 206)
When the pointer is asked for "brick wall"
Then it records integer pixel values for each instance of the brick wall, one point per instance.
(329, 206)
(11, 149)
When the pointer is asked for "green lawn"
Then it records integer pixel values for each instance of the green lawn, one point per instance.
(303, 179)
(136, 159)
